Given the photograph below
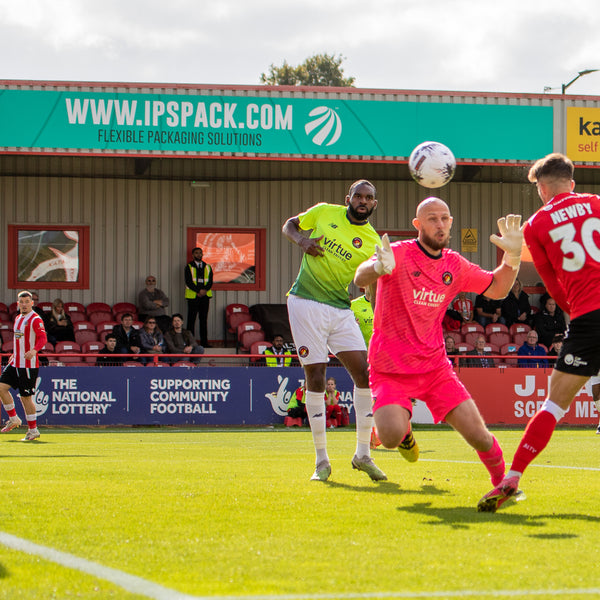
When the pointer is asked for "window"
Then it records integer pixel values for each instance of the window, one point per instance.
(236, 255)
(48, 256)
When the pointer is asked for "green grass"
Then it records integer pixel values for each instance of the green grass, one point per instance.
(232, 513)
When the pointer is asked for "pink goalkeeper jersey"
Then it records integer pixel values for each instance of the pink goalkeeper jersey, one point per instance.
(411, 303)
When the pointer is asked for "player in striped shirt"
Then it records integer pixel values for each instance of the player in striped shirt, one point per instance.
(416, 281)
(22, 369)
(564, 240)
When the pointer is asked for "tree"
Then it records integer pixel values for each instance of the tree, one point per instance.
(318, 70)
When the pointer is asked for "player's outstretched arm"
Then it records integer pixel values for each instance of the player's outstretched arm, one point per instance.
(511, 241)
(369, 271)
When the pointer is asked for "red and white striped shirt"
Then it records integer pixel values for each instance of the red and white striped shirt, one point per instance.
(29, 332)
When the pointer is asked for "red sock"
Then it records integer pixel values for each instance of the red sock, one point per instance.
(31, 421)
(494, 462)
(536, 437)
(11, 411)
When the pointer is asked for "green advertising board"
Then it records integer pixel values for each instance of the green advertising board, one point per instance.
(267, 126)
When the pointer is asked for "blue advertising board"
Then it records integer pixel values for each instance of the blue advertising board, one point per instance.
(171, 396)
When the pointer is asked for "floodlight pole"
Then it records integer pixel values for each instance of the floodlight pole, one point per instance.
(580, 74)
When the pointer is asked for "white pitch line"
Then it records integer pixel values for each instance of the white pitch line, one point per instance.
(532, 465)
(143, 587)
(131, 583)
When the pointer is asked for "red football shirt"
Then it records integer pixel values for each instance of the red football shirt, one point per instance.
(29, 332)
(564, 240)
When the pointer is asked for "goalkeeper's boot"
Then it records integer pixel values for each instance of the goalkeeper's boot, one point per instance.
(493, 500)
(409, 448)
(366, 464)
(322, 471)
(32, 434)
(11, 424)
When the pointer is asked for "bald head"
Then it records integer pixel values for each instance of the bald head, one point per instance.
(431, 204)
(433, 222)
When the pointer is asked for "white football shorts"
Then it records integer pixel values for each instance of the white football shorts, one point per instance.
(319, 329)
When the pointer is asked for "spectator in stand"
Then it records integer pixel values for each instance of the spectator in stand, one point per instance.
(107, 356)
(482, 357)
(59, 325)
(488, 311)
(531, 348)
(297, 404)
(198, 283)
(557, 343)
(516, 307)
(152, 340)
(277, 355)
(128, 338)
(544, 296)
(451, 350)
(37, 309)
(549, 323)
(181, 341)
(152, 303)
(333, 409)
(464, 307)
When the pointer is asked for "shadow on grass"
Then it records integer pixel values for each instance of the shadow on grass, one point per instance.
(387, 487)
(3, 572)
(461, 517)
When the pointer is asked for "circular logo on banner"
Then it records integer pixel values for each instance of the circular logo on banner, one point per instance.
(325, 127)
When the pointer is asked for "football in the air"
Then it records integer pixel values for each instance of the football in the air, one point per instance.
(432, 164)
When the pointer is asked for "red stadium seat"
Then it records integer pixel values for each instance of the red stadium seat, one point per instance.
(123, 307)
(91, 348)
(518, 328)
(70, 348)
(184, 363)
(248, 337)
(71, 307)
(464, 347)
(495, 328)
(509, 350)
(248, 326)
(76, 317)
(86, 335)
(6, 331)
(499, 338)
(105, 326)
(472, 336)
(259, 347)
(7, 346)
(455, 335)
(470, 327)
(518, 339)
(98, 307)
(45, 306)
(100, 317)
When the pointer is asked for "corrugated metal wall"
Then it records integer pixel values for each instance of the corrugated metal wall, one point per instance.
(139, 227)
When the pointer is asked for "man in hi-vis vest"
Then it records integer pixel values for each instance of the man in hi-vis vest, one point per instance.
(198, 284)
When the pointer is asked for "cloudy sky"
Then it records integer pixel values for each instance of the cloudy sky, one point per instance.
(465, 45)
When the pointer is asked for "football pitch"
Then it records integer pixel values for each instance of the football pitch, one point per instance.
(230, 514)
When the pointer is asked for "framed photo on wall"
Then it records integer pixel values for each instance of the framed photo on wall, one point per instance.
(237, 255)
(48, 256)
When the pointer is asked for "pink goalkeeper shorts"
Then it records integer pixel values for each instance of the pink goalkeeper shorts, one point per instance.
(441, 390)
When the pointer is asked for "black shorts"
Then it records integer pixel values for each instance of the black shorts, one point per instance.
(580, 353)
(22, 379)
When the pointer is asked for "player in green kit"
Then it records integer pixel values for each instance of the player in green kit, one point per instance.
(335, 240)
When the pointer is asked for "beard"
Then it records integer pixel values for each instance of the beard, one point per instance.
(433, 243)
(359, 216)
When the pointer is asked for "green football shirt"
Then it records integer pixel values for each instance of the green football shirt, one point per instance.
(363, 311)
(326, 278)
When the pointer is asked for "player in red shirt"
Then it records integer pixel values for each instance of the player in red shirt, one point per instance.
(564, 240)
(22, 370)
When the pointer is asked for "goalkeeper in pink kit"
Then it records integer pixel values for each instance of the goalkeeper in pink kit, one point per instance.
(416, 281)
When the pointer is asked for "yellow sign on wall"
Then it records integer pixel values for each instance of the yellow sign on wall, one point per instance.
(583, 133)
(468, 240)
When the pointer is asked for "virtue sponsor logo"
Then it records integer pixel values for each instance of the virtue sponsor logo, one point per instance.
(334, 247)
(427, 297)
(325, 126)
